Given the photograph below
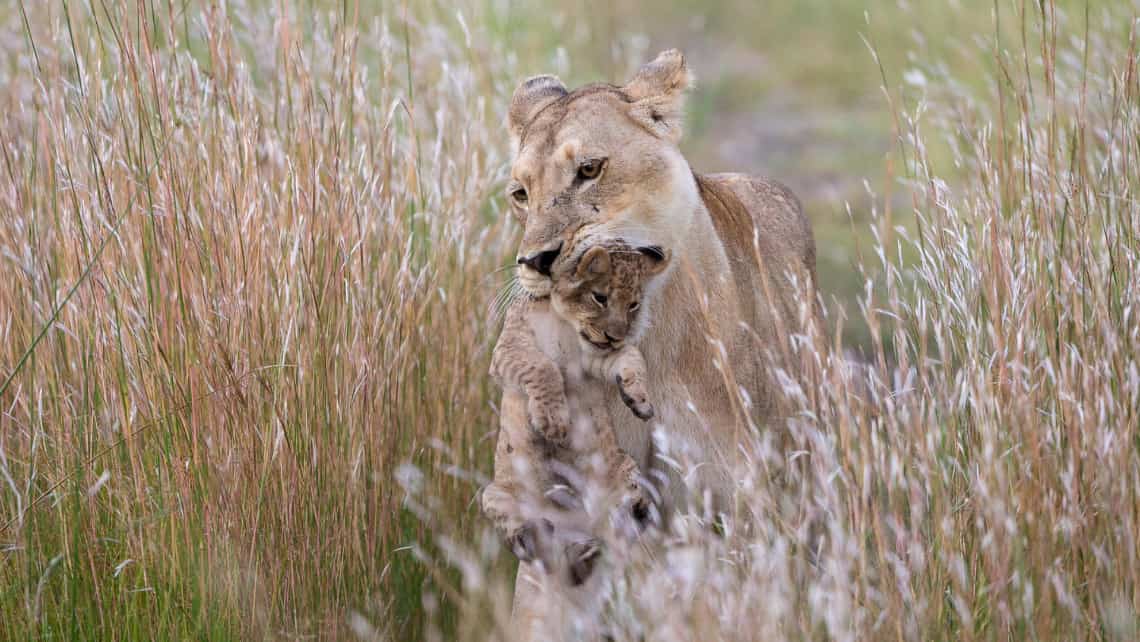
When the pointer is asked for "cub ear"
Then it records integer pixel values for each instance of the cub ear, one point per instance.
(530, 97)
(658, 258)
(594, 263)
(658, 94)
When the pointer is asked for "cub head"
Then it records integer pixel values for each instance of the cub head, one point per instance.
(601, 157)
(601, 294)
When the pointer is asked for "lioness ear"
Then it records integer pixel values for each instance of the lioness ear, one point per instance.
(658, 94)
(594, 263)
(530, 97)
(658, 258)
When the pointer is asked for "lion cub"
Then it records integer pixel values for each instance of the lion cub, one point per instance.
(562, 353)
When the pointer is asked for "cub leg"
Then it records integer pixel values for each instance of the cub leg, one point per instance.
(511, 497)
(627, 368)
(546, 402)
(517, 362)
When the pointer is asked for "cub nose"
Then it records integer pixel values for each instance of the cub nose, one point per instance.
(541, 261)
(616, 341)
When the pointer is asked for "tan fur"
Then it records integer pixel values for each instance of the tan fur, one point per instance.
(579, 336)
(737, 243)
(718, 322)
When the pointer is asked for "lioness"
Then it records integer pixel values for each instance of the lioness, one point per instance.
(583, 335)
(605, 159)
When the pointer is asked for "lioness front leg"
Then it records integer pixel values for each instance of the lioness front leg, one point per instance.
(528, 539)
(501, 505)
(636, 498)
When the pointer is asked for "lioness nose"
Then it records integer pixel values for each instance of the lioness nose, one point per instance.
(541, 261)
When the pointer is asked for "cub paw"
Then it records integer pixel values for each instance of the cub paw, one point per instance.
(581, 558)
(530, 541)
(636, 399)
(551, 420)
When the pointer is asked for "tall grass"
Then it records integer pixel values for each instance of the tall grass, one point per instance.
(248, 260)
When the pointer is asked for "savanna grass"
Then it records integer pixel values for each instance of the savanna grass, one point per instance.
(249, 263)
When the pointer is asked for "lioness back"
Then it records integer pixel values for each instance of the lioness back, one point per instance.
(761, 220)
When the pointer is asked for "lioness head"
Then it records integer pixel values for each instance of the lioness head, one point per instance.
(600, 293)
(600, 156)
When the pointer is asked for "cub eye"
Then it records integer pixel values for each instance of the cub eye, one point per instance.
(591, 169)
(634, 306)
(600, 299)
(519, 195)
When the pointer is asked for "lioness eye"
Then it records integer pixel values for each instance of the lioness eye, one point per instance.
(633, 306)
(519, 195)
(590, 169)
(600, 299)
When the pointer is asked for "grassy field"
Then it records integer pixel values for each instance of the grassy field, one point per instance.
(249, 258)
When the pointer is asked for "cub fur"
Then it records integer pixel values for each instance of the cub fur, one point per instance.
(563, 353)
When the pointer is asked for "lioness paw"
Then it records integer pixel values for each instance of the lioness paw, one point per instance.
(640, 510)
(531, 541)
(637, 512)
(581, 557)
